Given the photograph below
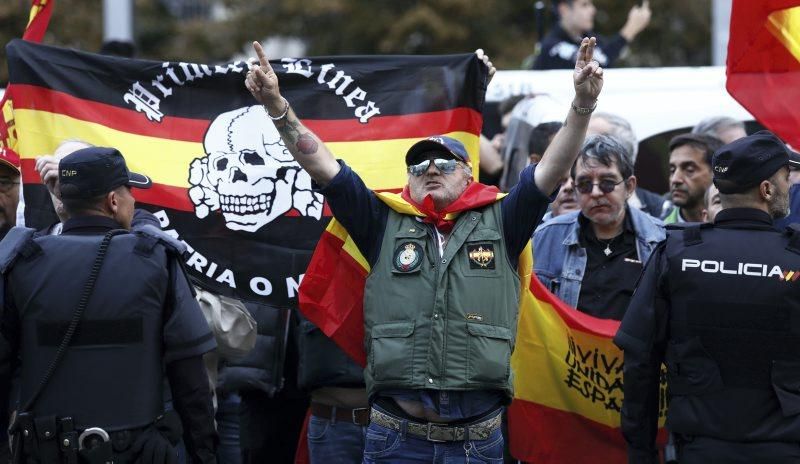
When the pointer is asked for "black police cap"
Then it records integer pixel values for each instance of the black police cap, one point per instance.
(94, 171)
(746, 162)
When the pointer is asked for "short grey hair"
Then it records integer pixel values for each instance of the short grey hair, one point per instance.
(715, 125)
(621, 130)
(75, 141)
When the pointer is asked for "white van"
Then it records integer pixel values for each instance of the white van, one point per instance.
(658, 102)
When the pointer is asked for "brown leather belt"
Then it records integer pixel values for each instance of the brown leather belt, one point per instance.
(357, 416)
(439, 432)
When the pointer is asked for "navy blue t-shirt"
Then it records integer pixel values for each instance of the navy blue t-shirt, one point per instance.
(364, 216)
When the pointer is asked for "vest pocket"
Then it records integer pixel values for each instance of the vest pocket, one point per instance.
(786, 383)
(392, 351)
(692, 371)
(489, 353)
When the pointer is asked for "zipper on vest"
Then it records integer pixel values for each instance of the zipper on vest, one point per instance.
(433, 236)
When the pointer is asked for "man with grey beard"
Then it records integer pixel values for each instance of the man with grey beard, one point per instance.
(719, 304)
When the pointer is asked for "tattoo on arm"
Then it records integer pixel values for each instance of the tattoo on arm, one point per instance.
(298, 142)
(306, 144)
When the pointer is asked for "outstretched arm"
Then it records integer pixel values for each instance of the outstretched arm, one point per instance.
(306, 148)
(564, 149)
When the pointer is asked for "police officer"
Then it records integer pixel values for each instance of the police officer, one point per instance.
(720, 305)
(90, 319)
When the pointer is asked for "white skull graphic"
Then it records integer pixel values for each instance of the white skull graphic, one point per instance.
(248, 173)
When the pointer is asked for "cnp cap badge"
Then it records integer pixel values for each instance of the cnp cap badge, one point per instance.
(408, 257)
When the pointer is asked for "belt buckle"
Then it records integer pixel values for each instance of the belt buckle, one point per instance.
(353, 414)
(428, 434)
(91, 432)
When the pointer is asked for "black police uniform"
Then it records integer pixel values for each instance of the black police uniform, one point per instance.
(559, 50)
(720, 305)
(140, 320)
(141, 316)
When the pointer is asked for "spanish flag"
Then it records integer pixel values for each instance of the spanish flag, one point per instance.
(763, 68)
(223, 180)
(38, 20)
(568, 385)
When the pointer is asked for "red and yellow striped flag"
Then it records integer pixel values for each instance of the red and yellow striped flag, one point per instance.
(223, 181)
(763, 65)
(38, 20)
(567, 385)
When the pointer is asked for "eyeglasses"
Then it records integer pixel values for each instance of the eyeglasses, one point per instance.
(606, 186)
(6, 185)
(445, 166)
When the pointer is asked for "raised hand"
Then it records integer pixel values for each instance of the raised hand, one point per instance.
(306, 148)
(262, 82)
(588, 75)
(485, 58)
(638, 19)
(47, 167)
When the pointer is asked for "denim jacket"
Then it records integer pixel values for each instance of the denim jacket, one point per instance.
(559, 260)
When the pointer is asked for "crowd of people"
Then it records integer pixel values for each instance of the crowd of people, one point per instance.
(139, 372)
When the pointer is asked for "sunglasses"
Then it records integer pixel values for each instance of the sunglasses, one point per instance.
(6, 185)
(606, 186)
(445, 166)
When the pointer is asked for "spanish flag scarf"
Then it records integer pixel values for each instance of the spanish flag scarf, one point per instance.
(475, 196)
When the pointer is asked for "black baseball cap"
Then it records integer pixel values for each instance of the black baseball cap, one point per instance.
(746, 162)
(94, 171)
(441, 143)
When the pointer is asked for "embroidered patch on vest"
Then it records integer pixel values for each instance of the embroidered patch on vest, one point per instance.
(407, 257)
(481, 256)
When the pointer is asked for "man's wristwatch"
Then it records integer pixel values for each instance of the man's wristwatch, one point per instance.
(583, 111)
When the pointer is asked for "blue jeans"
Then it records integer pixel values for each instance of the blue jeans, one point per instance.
(339, 441)
(385, 445)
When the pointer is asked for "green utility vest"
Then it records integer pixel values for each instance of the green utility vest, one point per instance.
(441, 322)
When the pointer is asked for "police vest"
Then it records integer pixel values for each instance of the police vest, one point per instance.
(441, 322)
(111, 375)
(734, 327)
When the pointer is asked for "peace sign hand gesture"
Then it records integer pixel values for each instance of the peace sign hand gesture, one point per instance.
(588, 76)
(262, 82)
